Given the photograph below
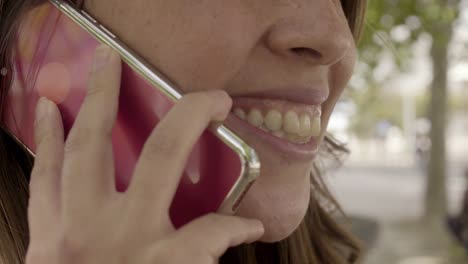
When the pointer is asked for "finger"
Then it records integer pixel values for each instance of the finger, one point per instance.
(45, 176)
(88, 165)
(216, 233)
(166, 151)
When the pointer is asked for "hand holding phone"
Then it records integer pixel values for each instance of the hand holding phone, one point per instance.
(84, 219)
(54, 60)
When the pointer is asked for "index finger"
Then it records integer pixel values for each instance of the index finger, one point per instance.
(166, 151)
(88, 163)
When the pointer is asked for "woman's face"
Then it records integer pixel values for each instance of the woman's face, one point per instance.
(280, 60)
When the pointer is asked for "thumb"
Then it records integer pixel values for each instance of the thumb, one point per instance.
(216, 233)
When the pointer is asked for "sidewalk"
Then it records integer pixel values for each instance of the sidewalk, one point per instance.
(392, 196)
(412, 243)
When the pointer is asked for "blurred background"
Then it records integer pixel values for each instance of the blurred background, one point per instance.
(405, 120)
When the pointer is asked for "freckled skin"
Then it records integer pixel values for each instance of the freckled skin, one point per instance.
(245, 46)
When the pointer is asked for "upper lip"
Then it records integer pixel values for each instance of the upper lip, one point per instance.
(301, 95)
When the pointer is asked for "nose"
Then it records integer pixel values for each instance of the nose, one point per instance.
(317, 33)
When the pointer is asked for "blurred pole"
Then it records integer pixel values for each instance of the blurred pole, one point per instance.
(409, 121)
(436, 191)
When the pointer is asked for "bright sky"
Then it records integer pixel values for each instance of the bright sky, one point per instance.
(459, 72)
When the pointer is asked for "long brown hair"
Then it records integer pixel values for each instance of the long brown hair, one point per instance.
(319, 239)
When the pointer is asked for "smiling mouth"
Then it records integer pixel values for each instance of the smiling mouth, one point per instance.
(295, 123)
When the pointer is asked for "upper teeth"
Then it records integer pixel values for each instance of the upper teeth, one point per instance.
(295, 127)
(273, 120)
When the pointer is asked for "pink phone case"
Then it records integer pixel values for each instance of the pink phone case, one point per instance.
(53, 59)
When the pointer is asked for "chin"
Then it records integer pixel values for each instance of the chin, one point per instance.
(279, 230)
(280, 207)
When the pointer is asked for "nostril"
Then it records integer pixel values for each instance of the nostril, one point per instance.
(306, 52)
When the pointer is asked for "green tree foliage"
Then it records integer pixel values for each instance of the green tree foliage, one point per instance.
(414, 16)
(412, 19)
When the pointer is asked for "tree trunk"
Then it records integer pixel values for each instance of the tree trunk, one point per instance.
(436, 190)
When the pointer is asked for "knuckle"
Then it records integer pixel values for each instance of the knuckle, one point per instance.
(162, 145)
(94, 91)
(43, 135)
(158, 225)
(199, 255)
(224, 225)
(97, 87)
(77, 140)
(68, 245)
(214, 223)
(101, 129)
(34, 189)
(212, 219)
(82, 137)
(39, 170)
(162, 252)
(193, 250)
(99, 121)
(43, 168)
(75, 248)
(39, 133)
(38, 255)
(239, 225)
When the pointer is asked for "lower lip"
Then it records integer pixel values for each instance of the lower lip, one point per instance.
(293, 151)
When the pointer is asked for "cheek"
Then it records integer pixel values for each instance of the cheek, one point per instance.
(205, 64)
(196, 52)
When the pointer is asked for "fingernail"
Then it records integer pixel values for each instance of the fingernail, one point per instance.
(222, 97)
(259, 231)
(259, 226)
(43, 109)
(224, 104)
(101, 57)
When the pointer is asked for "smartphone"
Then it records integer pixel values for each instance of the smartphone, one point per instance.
(53, 59)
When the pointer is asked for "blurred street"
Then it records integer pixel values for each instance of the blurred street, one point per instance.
(407, 101)
(390, 191)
